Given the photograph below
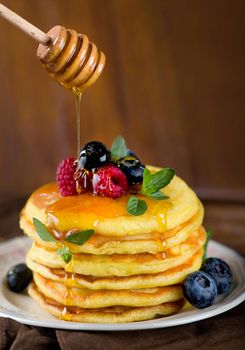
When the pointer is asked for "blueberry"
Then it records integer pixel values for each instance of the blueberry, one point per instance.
(131, 153)
(94, 155)
(132, 168)
(221, 273)
(18, 277)
(200, 289)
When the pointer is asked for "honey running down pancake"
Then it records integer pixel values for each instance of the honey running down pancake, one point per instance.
(169, 277)
(116, 314)
(110, 217)
(87, 298)
(130, 269)
(121, 265)
(146, 243)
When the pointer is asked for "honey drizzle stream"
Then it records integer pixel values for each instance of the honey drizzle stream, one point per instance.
(68, 297)
(69, 279)
(78, 95)
(161, 242)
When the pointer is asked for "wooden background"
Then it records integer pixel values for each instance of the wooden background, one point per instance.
(173, 86)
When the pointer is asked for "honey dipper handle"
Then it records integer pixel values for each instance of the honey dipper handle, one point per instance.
(25, 26)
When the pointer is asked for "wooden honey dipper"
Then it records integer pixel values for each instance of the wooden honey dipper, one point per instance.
(70, 58)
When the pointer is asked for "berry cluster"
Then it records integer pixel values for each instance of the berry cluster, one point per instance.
(200, 288)
(97, 172)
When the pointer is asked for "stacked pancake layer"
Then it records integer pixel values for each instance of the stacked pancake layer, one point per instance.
(131, 269)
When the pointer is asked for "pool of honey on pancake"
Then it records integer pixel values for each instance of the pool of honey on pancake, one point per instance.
(110, 217)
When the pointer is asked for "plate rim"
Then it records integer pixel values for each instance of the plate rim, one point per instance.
(164, 322)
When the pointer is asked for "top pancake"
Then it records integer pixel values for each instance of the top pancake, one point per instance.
(109, 217)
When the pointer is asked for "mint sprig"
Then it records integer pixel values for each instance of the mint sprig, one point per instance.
(80, 237)
(158, 195)
(209, 236)
(77, 238)
(42, 232)
(136, 206)
(151, 187)
(153, 183)
(65, 254)
(119, 148)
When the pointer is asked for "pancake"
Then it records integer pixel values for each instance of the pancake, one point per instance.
(130, 269)
(167, 278)
(116, 314)
(152, 243)
(121, 265)
(110, 217)
(87, 298)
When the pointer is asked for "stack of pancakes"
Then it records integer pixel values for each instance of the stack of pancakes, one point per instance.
(132, 267)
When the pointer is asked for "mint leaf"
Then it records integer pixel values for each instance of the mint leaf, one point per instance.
(158, 195)
(65, 254)
(209, 235)
(146, 181)
(119, 148)
(153, 183)
(136, 206)
(42, 232)
(80, 237)
(161, 178)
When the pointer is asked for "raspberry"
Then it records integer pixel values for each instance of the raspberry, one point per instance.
(111, 182)
(65, 177)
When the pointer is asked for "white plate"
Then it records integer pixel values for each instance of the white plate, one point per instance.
(22, 308)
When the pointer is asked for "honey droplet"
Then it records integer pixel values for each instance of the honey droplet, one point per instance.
(161, 256)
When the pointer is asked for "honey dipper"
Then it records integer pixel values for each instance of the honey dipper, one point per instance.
(70, 58)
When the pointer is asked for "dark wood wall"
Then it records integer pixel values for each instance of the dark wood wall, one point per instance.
(174, 86)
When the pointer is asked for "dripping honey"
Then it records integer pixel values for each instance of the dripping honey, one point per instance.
(62, 210)
(78, 95)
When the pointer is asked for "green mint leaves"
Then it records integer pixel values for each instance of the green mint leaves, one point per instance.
(65, 253)
(136, 206)
(153, 183)
(78, 238)
(151, 186)
(119, 148)
(43, 233)
(209, 236)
